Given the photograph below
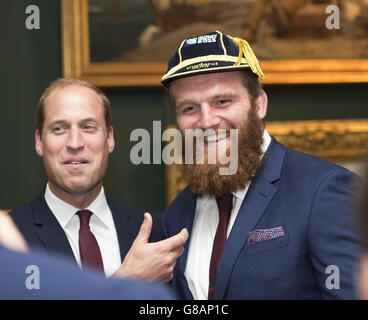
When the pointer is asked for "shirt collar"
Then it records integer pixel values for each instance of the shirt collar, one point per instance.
(266, 141)
(100, 207)
(64, 211)
(240, 194)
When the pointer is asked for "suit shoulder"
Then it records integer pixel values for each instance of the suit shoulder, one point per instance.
(22, 214)
(135, 212)
(306, 163)
(71, 282)
(121, 207)
(135, 216)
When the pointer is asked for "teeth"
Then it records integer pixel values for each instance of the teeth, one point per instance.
(211, 138)
(75, 162)
(216, 137)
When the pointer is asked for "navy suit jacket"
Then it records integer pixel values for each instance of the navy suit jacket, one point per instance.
(59, 279)
(310, 199)
(42, 231)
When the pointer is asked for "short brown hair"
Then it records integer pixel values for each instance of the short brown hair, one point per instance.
(251, 82)
(65, 82)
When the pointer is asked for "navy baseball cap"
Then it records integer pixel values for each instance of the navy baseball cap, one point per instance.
(211, 52)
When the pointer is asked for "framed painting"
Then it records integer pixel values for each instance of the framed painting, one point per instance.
(127, 43)
(344, 142)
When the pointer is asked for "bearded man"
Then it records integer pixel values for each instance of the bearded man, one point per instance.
(277, 228)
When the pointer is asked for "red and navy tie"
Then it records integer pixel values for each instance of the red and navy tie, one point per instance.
(225, 204)
(88, 247)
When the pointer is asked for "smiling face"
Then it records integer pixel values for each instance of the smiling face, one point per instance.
(220, 101)
(75, 142)
(214, 101)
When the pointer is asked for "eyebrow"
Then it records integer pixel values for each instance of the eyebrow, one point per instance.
(88, 120)
(56, 122)
(217, 96)
(65, 122)
(184, 102)
(225, 95)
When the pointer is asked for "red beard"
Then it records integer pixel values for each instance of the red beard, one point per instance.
(205, 179)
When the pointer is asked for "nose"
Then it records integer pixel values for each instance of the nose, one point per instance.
(75, 139)
(208, 117)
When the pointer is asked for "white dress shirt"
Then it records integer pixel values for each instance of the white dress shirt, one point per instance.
(101, 224)
(203, 233)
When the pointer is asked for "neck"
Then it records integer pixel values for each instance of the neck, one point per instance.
(76, 199)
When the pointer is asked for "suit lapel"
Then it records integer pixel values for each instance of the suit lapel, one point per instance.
(124, 226)
(187, 218)
(48, 229)
(259, 195)
(257, 199)
(187, 222)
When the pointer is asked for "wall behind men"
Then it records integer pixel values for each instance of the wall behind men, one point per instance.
(31, 59)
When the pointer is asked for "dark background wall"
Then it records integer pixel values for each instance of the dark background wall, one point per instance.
(31, 59)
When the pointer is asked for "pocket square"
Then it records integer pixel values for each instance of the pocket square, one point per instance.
(261, 235)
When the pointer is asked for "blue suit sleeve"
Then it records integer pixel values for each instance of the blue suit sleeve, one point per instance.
(333, 243)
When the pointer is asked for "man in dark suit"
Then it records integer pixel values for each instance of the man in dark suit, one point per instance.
(72, 216)
(277, 227)
(34, 275)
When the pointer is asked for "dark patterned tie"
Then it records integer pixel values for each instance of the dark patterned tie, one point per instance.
(88, 247)
(225, 204)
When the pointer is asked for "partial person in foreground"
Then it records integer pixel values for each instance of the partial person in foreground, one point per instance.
(275, 227)
(10, 236)
(361, 221)
(72, 216)
(34, 275)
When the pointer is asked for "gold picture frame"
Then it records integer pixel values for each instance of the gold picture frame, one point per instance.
(341, 141)
(77, 63)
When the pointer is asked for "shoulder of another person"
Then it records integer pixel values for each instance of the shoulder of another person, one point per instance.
(118, 207)
(26, 207)
(134, 213)
(314, 165)
(71, 282)
(23, 214)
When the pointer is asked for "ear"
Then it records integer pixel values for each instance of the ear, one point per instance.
(38, 143)
(110, 140)
(261, 105)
